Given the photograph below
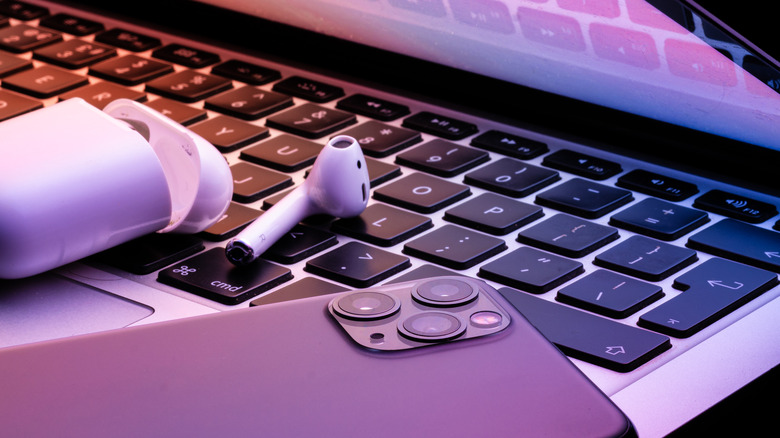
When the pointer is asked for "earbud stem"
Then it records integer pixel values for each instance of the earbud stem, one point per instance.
(261, 234)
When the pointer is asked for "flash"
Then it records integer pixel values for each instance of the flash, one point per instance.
(485, 319)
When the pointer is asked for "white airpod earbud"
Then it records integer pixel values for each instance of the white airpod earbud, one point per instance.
(337, 185)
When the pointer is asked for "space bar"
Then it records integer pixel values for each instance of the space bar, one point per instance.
(588, 337)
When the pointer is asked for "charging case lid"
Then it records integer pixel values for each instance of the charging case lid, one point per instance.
(198, 176)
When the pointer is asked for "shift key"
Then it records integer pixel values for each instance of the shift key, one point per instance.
(588, 337)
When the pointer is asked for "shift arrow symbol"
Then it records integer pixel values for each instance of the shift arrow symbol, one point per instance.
(615, 350)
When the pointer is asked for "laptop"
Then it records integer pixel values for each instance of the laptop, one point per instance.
(608, 166)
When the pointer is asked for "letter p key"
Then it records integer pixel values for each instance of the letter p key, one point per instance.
(494, 210)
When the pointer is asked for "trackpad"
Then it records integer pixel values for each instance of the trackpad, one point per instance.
(48, 306)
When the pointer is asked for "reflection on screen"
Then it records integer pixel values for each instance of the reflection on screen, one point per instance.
(624, 54)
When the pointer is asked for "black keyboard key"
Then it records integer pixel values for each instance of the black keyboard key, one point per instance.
(646, 258)
(74, 53)
(509, 144)
(659, 219)
(372, 107)
(357, 264)
(657, 185)
(128, 40)
(151, 252)
(440, 126)
(422, 193)
(588, 337)
(568, 235)
(101, 94)
(454, 247)
(10, 64)
(186, 56)
(23, 38)
(177, 111)
(188, 85)
(710, 291)
(423, 272)
(582, 165)
(584, 198)
(245, 72)
(22, 10)
(300, 243)
(740, 242)
(231, 223)
(531, 270)
(383, 225)
(380, 140)
(228, 134)
(511, 177)
(610, 294)
(735, 206)
(251, 182)
(71, 24)
(44, 82)
(380, 172)
(12, 105)
(304, 288)
(248, 103)
(211, 275)
(283, 152)
(130, 69)
(311, 121)
(442, 158)
(308, 89)
(494, 214)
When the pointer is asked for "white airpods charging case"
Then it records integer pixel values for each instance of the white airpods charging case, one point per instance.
(75, 181)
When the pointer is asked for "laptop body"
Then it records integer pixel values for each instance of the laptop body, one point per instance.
(465, 93)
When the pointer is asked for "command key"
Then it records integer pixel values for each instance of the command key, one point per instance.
(212, 276)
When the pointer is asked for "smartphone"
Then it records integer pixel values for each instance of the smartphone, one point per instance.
(444, 356)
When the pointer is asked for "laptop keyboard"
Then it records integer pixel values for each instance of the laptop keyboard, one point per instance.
(613, 260)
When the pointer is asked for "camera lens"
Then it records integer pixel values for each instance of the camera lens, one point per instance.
(432, 327)
(366, 305)
(445, 292)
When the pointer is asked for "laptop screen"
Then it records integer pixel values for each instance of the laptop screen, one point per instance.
(622, 54)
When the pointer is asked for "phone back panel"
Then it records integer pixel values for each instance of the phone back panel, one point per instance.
(288, 369)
